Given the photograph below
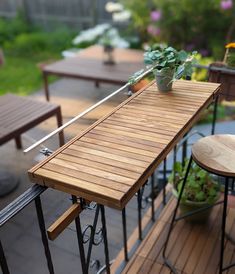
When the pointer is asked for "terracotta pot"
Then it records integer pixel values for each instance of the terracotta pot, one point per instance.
(142, 83)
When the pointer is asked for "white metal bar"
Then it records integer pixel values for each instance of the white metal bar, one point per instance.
(84, 113)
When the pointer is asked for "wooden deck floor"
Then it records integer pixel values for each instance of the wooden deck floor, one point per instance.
(192, 248)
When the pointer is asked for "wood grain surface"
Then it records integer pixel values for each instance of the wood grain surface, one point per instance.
(216, 154)
(193, 248)
(113, 158)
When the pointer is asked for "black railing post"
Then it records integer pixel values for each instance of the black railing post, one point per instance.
(3, 261)
(92, 237)
(124, 234)
(41, 223)
(184, 150)
(152, 197)
(139, 203)
(164, 182)
(80, 239)
(104, 230)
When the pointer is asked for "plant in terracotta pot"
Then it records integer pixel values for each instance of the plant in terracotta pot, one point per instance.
(135, 83)
(169, 65)
(201, 190)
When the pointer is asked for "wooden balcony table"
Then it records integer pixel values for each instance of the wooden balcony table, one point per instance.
(110, 161)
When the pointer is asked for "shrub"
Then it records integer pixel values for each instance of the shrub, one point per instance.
(36, 42)
(192, 25)
(10, 28)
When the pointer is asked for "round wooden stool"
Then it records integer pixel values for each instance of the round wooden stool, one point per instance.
(215, 154)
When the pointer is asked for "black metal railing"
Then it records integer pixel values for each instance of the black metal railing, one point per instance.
(92, 235)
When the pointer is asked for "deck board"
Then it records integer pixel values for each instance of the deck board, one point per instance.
(193, 248)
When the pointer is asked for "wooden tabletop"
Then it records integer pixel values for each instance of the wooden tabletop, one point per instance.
(113, 158)
(88, 65)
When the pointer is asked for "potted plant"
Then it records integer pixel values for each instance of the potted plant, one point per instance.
(169, 64)
(135, 83)
(110, 39)
(201, 190)
(229, 57)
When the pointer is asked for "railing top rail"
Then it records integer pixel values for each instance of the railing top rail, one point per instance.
(20, 203)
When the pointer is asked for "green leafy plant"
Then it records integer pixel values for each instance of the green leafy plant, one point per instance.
(231, 60)
(182, 25)
(200, 185)
(168, 58)
(135, 77)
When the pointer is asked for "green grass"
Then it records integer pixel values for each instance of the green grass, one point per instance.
(21, 75)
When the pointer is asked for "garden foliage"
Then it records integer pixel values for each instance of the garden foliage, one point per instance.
(25, 46)
(205, 26)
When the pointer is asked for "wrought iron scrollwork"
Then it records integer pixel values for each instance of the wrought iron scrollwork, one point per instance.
(88, 231)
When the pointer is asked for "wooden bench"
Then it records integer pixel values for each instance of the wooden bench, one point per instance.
(19, 114)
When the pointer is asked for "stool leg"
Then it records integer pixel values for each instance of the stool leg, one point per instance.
(223, 225)
(173, 218)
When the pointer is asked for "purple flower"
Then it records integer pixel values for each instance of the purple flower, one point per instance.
(204, 52)
(190, 47)
(153, 30)
(226, 4)
(156, 15)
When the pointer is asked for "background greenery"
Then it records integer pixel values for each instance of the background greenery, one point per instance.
(25, 47)
(186, 24)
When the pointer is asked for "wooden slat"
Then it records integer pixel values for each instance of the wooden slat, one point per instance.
(171, 114)
(133, 124)
(157, 138)
(115, 151)
(118, 146)
(108, 155)
(159, 124)
(77, 187)
(63, 221)
(106, 161)
(98, 165)
(119, 140)
(148, 132)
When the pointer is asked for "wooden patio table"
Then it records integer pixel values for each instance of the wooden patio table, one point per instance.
(19, 114)
(113, 158)
(88, 65)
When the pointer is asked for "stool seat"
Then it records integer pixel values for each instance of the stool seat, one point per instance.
(216, 154)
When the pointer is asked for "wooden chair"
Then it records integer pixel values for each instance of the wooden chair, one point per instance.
(215, 154)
